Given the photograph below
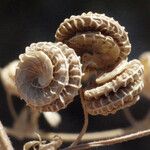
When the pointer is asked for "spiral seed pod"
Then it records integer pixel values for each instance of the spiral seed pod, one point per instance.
(48, 76)
(145, 60)
(95, 37)
(110, 82)
(119, 92)
(8, 77)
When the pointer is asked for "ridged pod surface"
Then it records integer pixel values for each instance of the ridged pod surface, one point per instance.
(95, 37)
(119, 92)
(8, 77)
(48, 76)
(110, 82)
(145, 60)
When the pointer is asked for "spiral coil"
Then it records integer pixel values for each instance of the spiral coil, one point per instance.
(110, 82)
(95, 36)
(48, 76)
(122, 91)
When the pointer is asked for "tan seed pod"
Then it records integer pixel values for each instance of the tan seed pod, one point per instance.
(8, 78)
(145, 60)
(95, 37)
(48, 76)
(115, 94)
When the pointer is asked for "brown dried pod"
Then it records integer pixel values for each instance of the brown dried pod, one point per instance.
(48, 76)
(95, 37)
(145, 60)
(117, 93)
(8, 78)
(110, 83)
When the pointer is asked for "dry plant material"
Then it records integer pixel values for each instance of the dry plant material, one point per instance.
(27, 121)
(7, 75)
(8, 78)
(5, 143)
(111, 141)
(54, 144)
(48, 76)
(121, 91)
(95, 37)
(110, 82)
(145, 60)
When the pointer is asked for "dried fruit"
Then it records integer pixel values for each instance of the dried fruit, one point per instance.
(117, 93)
(110, 82)
(48, 76)
(95, 37)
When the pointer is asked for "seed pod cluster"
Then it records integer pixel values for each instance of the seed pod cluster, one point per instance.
(110, 82)
(48, 76)
(145, 60)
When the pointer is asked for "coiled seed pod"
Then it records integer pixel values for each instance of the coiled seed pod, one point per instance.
(8, 78)
(95, 37)
(48, 76)
(119, 92)
(110, 83)
(145, 60)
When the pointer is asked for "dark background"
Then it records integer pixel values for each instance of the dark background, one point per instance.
(23, 22)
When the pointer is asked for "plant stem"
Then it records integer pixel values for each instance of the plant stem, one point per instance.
(111, 141)
(11, 106)
(129, 116)
(5, 143)
(67, 137)
(86, 121)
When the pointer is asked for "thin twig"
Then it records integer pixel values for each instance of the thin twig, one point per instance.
(11, 106)
(112, 141)
(117, 133)
(34, 119)
(67, 137)
(86, 121)
(5, 143)
(129, 116)
(9, 100)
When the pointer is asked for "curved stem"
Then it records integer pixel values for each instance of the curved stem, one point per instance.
(129, 116)
(34, 119)
(5, 143)
(9, 101)
(67, 137)
(86, 121)
(111, 141)
(11, 106)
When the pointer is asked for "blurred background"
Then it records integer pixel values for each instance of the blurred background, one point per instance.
(23, 22)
